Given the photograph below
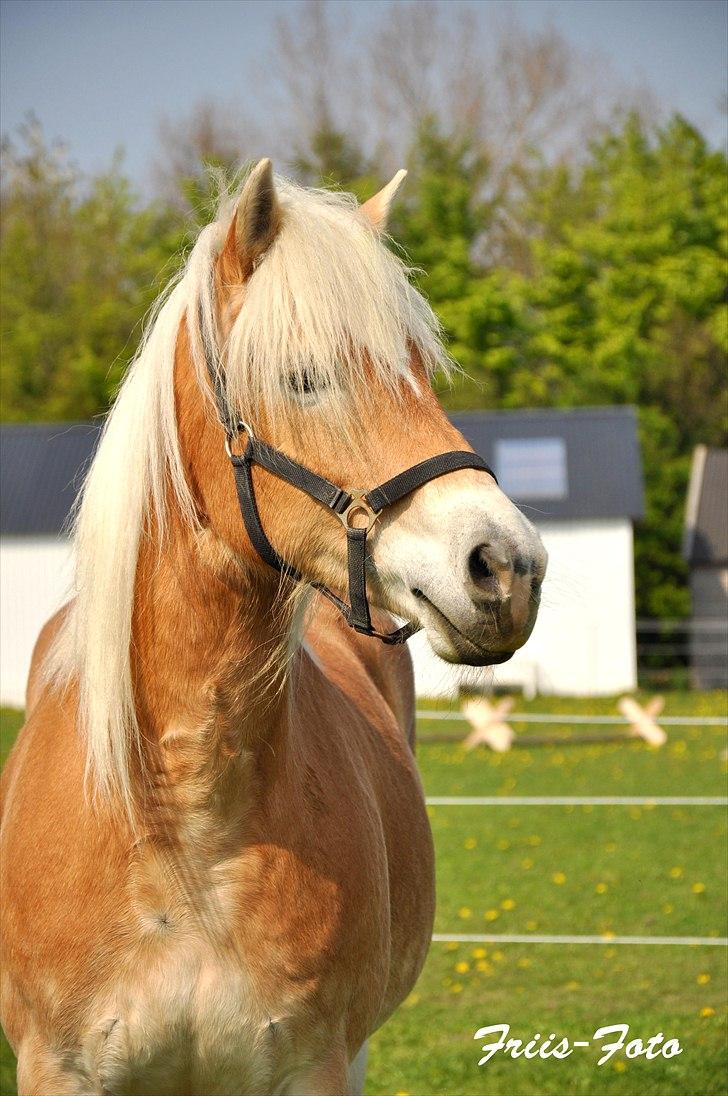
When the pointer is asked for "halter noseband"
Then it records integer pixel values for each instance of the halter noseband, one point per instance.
(349, 506)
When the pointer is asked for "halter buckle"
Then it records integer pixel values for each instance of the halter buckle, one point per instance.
(357, 507)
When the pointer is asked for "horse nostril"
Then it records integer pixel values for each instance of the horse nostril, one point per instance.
(478, 566)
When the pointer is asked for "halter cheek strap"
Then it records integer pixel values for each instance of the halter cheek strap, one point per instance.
(350, 507)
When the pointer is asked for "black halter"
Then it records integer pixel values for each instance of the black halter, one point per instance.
(349, 506)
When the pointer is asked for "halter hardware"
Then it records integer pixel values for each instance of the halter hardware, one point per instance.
(358, 505)
(231, 436)
(350, 507)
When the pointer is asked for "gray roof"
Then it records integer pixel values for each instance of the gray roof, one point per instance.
(706, 518)
(42, 466)
(602, 465)
(597, 470)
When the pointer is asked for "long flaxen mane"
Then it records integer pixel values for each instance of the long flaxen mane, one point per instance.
(328, 300)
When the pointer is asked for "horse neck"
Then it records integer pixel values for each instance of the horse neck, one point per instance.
(211, 631)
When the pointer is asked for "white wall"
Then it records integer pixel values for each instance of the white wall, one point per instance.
(584, 640)
(583, 643)
(35, 575)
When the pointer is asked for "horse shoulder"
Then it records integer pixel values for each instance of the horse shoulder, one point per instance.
(36, 676)
(59, 872)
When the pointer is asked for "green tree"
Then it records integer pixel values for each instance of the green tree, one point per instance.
(442, 223)
(626, 304)
(80, 265)
(333, 159)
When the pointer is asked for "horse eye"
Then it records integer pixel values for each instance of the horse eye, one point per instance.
(304, 384)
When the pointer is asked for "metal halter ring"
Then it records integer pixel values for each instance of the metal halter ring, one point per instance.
(358, 505)
(229, 438)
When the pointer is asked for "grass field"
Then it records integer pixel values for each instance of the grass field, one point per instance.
(648, 871)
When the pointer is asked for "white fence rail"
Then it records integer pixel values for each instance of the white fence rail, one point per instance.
(533, 938)
(583, 720)
(576, 801)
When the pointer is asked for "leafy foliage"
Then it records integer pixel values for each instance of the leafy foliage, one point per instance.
(80, 266)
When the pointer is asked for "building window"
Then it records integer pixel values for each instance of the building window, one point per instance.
(532, 468)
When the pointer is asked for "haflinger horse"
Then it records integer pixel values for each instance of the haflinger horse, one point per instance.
(217, 868)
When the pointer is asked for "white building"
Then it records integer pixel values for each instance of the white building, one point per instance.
(41, 469)
(576, 474)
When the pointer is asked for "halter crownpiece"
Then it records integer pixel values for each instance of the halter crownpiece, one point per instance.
(363, 507)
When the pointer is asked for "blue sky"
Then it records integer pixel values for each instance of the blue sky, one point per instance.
(99, 73)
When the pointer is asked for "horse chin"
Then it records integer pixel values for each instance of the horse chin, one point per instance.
(452, 645)
(462, 652)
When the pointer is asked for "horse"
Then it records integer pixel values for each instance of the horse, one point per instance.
(216, 863)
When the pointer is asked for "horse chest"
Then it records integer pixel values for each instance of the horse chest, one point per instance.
(190, 1019)
(192, 1010)
(183, 1019)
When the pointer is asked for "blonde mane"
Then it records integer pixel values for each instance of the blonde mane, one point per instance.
(328, 301)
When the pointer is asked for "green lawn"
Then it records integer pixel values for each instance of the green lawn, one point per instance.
(652, 871)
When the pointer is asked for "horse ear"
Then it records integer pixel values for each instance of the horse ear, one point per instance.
(256, 220)
(376, 209)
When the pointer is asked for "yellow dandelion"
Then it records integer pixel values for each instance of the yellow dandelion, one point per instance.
(608, 935)
(503, 844)
(571, 986)
(698, 888)
(707, 1011)
(401, 1094)
(667, 908)
(462, 967)
(611, 846)
(676, 872)
(483, 966)
(531, 926)
(527, 864)
(412, 1000)
(497, 956)
(491, 915)
(508, 904)
(524, 964)
(703, 979)
(601, 888)
(558, 878)
(479, 953)
(620, 1066)
(469, 843)
(465, 912)
(452, 945)
(456, 988)
(534, 839)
